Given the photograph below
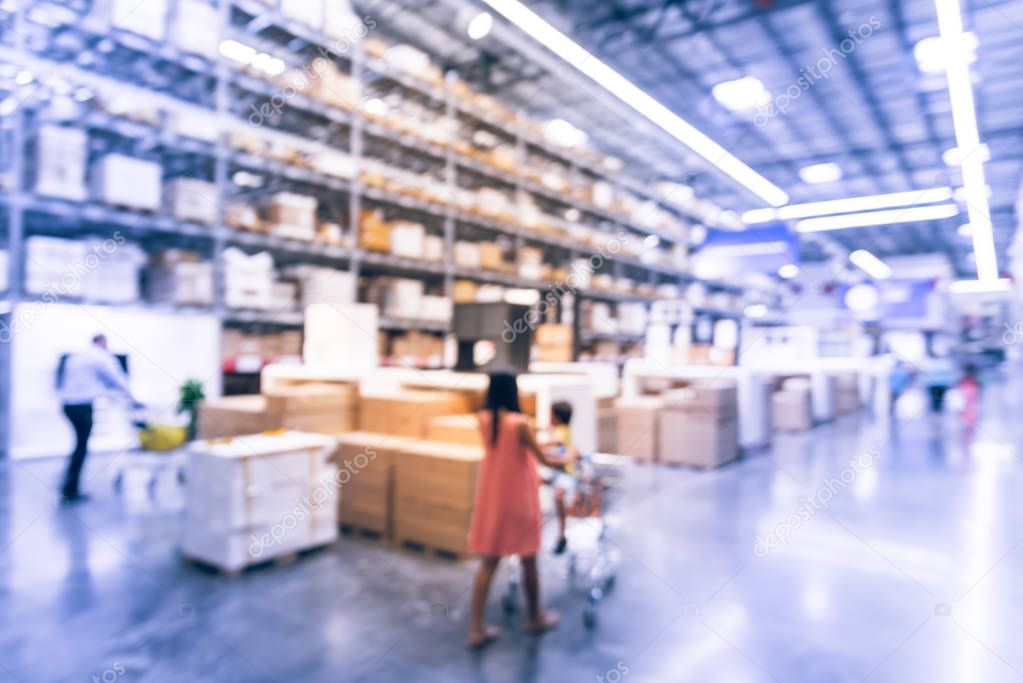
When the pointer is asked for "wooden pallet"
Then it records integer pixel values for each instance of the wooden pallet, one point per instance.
(363, 532)
(426, 550)
(278, 561)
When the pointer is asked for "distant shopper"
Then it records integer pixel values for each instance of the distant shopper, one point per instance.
(969, 388)
(506, 518)
(898, 381)
(564, 483)
(83, 377)
(940, 374)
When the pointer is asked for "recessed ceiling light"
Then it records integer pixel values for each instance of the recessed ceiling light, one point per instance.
(480, 25)
(742, 94)
(820, 173)
(965, 230)
(375, 106)
(561, 132)
(788, 271)
(934, 54)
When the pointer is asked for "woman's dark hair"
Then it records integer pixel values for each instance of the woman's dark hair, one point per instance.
(563, 411)
(503, 393)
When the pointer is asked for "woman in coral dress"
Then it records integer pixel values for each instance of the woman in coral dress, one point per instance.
(506, 518)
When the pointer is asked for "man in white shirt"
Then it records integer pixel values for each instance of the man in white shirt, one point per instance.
(82, 378)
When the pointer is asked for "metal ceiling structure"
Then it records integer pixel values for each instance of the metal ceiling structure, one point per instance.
(874, 113)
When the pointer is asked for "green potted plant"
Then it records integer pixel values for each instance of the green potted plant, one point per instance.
(190, 398)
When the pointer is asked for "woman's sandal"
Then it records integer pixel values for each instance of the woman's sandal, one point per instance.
(547, 621)
(481, 640)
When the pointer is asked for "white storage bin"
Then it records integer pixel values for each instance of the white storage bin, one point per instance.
(407, 239)
(309, 12)
(126, 181)
(439, 308)
(467, 254)
(197, 28)
(189, 199)
(324, 285)
(433, 248)
(248, 280)
(61, 157)
(403, 298)
(145, 17)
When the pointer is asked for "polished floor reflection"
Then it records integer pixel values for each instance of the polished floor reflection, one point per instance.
(858, 551)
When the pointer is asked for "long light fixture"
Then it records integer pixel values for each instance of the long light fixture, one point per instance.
(870, 264)
(622, 88)
(911, 214)
(850, 204)
(980, 286)
(964, 121)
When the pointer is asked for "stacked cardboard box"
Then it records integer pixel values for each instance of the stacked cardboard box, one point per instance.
(407, 413)
(320, 408)
(178, 276)
(417, 348)
(554, 343)
(847, 393)
(638, 433)
(367, 492)
(248, 279)
(189, 199)
(258, 497)
(607, 430)
(434, 490)
(699, 426)
(792, 406)
(269, 345)
(126, 181)
(292, 215)
(460, 429)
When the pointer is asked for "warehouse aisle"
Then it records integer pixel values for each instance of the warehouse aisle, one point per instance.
(793, 565)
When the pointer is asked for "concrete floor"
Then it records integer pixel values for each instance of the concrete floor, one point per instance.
(903, 567)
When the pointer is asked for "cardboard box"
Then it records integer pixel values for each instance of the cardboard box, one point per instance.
(434, 492)
(374, 232)
(554, 335)
(197, 28)
(713, 400)
(407, 239)
(554, 354)
(460, 429)
(312, 397)
(234, 416)
(406, 413)
(491, 256)
(607, 431)
(61, 158)
(688, 438)
(792, 409)
(638, 433)
(367, 491)
(292, 215)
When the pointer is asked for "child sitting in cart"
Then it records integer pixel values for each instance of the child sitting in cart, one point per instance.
(564, 482)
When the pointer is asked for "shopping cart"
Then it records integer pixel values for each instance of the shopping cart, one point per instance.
(591, 561)
(161, 448)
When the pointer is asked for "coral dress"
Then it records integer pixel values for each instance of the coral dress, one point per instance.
(506, 519)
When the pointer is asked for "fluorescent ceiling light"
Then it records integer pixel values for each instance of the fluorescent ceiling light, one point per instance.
(626, 91)
(820, 173)
(956, 156)
(750, 249)
(788, 271)
(980, 286)
(957, 58)
(742, 94)
(870, 264)
(866, 203)
(934, 54)
(563, 133)
(965, 230)
(872, 218)
(480, 25)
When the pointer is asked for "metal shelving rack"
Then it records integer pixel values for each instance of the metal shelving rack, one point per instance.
(263, 26)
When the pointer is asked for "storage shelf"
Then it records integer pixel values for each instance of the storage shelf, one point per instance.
(280, 318)
(589, 337)
(406, 324)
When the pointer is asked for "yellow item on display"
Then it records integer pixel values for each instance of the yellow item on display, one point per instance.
(163, 438)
